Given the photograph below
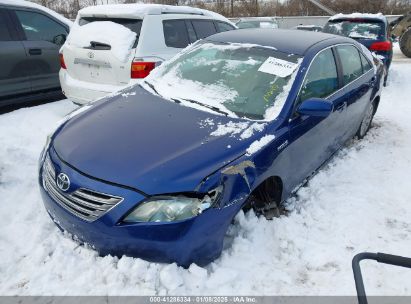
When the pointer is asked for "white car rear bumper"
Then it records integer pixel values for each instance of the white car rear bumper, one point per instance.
(82, 92)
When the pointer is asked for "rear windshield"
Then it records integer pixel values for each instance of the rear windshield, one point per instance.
(132, 24)
(356, 29)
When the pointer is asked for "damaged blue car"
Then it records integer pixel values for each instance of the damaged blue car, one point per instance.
(235, 122)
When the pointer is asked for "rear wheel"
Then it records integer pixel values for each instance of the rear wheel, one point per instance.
(405, 43)
(366, 121)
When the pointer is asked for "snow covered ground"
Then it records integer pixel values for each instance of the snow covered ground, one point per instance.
(360, 202)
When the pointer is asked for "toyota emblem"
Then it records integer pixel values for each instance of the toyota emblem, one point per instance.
(63, 182)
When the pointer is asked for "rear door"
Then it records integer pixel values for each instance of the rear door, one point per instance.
(359, 80)
(43, 38)
(97, 62)
(13, 73)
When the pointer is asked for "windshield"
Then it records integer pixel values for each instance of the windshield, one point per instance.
(241, 80)
(361, 29)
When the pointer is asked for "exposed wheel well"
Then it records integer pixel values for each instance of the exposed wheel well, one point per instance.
(267, 192)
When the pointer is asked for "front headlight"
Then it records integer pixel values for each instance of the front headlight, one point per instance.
(169, 209)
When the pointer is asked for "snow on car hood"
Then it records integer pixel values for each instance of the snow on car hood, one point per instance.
(120, 38)
(156, 146)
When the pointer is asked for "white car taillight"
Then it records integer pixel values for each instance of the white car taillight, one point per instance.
(141, 69)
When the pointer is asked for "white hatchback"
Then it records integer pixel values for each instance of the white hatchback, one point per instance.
(114, 46)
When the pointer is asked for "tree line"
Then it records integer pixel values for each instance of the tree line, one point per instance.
(244, 8)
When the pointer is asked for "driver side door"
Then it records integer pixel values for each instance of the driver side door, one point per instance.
(42, 38)
(314, 139)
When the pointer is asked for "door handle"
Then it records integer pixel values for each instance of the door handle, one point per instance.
(35, 51)
(341, 106)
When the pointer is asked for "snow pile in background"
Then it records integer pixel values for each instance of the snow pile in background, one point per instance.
(120, 38)
(359, 202)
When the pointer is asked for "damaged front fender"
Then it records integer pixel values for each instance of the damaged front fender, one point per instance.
(237, 180)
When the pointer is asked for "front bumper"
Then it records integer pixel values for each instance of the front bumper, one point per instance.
(197, 240)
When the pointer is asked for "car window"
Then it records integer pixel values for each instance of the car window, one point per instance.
(224, 27)
(366, 65)
(203, 28)
(191, 33)
(37, 27)
(351, 63)
(248, 24)
(4, 31)
(175, 33)
(358, 29)
(133, 25)
(321, 79)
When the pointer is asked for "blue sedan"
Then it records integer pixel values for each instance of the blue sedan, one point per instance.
(235, 122)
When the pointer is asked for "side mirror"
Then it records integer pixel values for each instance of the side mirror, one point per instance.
(315, 107)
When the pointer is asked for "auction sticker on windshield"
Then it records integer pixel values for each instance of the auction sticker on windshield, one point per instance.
(278, 67)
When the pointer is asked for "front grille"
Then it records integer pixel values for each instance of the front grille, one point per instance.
(84, 203)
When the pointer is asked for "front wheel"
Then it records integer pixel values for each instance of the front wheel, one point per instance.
(366, 121)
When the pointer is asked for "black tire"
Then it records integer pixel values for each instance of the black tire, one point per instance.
(405, 43)
(367, 120)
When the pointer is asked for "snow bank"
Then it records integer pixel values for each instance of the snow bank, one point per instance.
(120, 38)
(359, 202)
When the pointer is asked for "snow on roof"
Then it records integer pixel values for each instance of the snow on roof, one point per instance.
(378, 16)
(139, 10)
(29, 4)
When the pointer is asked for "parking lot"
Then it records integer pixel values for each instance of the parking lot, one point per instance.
(359, 202)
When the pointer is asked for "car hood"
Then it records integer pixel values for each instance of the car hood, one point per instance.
(142, 141)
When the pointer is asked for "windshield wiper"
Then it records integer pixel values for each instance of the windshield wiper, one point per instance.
(152, 87)
(215, 109)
